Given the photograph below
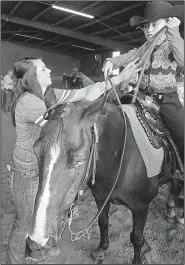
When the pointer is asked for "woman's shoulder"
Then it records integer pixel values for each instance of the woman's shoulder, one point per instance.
(28, 100)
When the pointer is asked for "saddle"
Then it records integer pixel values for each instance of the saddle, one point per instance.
(147, 111)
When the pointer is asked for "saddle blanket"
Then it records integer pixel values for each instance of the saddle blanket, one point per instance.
(152, 157)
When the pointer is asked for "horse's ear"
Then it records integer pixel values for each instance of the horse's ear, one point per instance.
(92, 111)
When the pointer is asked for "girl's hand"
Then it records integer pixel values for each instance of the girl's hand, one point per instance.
(173, 22)
(130, 71)
(107, 68)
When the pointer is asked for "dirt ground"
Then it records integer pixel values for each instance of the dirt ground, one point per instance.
(78, 252)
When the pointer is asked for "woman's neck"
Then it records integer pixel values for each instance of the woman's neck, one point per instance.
(43, 88)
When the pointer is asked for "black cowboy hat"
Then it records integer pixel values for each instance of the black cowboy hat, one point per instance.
(156, 10)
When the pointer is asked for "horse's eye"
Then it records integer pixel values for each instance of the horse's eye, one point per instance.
(78, 164)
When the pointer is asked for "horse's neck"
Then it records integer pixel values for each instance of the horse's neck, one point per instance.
(111, 118)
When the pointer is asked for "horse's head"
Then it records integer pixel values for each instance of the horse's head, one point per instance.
(62, 150)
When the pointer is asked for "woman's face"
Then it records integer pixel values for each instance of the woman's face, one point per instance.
(151, 28)
(43, 74)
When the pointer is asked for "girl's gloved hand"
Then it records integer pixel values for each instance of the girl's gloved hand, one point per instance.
(107, 68)
(130, 71)
(173, 22)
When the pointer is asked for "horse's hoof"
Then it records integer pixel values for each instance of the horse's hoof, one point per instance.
(145, 249)
(180, 229)
(99, 261)
(137, 261)
(179, 199)
(98, 255)
(170, 214)
(177, 232)
(180, 224)
(170, 220)
(171, 234)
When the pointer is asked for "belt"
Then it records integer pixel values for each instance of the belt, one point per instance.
(157, 96)
(150, 92)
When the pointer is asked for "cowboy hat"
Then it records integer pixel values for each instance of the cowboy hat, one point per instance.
(156, 10)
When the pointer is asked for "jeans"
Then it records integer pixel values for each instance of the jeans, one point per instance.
(172, 114)
(24, 187)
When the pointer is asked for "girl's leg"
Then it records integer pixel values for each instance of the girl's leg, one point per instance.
(172, 114)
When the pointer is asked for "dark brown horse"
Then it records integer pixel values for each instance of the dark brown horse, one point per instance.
(63, 151)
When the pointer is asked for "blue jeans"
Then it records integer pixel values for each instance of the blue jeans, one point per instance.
(24, 187)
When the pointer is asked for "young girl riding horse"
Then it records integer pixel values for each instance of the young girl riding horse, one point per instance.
(159, 78)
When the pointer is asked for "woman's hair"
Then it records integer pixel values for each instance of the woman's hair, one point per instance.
(26, 81)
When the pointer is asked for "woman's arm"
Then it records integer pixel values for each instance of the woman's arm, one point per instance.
(93, 92)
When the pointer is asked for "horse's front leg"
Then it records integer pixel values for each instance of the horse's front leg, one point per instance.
(103, 221)
(170, 204)
(139, 216)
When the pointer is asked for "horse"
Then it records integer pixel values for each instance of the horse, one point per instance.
(63, 151)
(76, 80)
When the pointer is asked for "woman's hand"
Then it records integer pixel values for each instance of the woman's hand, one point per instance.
(130, 71)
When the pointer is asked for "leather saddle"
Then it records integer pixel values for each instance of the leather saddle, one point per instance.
(147, 111)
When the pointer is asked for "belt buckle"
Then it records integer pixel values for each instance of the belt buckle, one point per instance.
(149, 100)
(157, 96)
